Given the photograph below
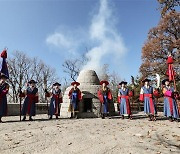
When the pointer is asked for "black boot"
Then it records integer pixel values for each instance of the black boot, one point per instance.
(57, 117)
(170, 119)
(71, 115)
(150, 117)
(50, 117)
(122, 117)
(24, 118)
(30, 118)
(0, 119)
(75, 115)
(130, 117)
(153, 117)
(175, 119)
(103, 116)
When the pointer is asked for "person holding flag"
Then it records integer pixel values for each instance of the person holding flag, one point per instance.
(171, 74)
(4, 86)
(31, 98)
(75, 97)
(170, 104)
(105, 97)
(56, 100)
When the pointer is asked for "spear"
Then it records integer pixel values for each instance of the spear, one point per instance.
(133, 86)
(45, 87)
(20, 102)
(156, 93)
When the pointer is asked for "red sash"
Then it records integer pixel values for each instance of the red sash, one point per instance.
(57, 101)
(151, 102)
(4, 92)
(127, 103)
(31, 99)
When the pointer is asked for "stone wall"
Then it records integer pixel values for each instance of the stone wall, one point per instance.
(89, 85)
(14, 109)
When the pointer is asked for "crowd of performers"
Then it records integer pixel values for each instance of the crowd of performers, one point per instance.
(147, 94)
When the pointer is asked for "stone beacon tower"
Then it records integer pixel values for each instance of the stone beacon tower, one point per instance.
(89, 107)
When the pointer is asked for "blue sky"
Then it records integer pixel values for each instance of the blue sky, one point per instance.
(54, 30)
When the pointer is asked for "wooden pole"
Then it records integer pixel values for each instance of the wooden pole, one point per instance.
(20, 99)
(20, 102)
(45, 87)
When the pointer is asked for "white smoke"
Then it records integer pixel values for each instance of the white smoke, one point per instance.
(109, 42)
(102, 35)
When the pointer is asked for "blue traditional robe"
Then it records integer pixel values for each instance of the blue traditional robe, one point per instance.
(54, 108)
(124, 102)
(170, 104)
(149, 104)
(3, 99)
(75, 97)
(29, 106)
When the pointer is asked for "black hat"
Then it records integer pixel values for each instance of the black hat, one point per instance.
(3, 76)
(32, 81)
(146, 80)
(163, 81)
(123, 82)
(56, 84)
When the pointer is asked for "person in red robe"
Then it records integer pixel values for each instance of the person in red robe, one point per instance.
(105, 97)
(4, 88)
(55, 101)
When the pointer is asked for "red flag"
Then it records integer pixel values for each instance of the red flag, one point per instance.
(170, 72)
(4, 53)
(3, 63)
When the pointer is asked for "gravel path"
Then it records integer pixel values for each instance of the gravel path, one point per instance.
(89, 136)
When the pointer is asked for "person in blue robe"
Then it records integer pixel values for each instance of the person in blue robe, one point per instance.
(170, 104)
(125, 107)
(147, 96)
(105, 97)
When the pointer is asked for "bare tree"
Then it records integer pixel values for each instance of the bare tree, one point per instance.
(22, 69)
(72, 67)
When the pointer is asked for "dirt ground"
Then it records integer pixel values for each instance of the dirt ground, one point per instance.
(90, 136)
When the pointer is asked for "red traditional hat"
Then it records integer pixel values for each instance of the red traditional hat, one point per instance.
(104, 81)
(73, 83)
